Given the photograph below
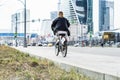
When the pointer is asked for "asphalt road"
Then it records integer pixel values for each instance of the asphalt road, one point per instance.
(106, 51)
(96, 51)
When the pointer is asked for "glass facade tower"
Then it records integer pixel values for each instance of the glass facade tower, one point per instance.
(106, 15)
(83, 9)
(90, 15)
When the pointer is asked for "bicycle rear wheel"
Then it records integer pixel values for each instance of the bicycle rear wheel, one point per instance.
(64, 50)
(57, 50)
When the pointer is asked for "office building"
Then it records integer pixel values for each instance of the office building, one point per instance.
(73, 16)
(46, 27)
(17, 19)
(68, 10)
(83, 11)
(106, 15)
(91, 16)
(98, 15)
(64, 6)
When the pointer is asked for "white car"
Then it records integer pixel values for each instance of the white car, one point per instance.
(76, 45)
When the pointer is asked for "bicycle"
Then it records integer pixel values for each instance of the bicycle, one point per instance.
(61, 43)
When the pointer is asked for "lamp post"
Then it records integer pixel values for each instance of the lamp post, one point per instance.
(24, 3)
(16, 31)
(25, 41)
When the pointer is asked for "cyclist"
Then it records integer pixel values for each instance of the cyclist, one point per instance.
(60, 24)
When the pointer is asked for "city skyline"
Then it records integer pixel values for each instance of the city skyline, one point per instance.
(37, 12)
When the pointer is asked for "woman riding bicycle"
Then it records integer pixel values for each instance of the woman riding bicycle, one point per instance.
(60, 28)
(60, 24)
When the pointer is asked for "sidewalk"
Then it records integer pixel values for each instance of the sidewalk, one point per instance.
(99, 67)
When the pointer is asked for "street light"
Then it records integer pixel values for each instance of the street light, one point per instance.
(15, 35)
(15, 21)
(24, 3)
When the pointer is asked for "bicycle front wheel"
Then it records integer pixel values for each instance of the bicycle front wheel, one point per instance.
(64, 50)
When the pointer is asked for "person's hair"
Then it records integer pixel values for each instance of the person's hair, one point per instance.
(60, 12)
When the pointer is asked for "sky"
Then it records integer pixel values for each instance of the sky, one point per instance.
(38, 9)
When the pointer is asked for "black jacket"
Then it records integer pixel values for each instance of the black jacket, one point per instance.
(60, 24)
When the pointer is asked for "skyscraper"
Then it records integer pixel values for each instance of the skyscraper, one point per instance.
(67, 8)
(83, 10)
(64, 6)
(98, 15)
(106, 15)
(90, 15)
(72, 17)
(80, 7)
(109, 15)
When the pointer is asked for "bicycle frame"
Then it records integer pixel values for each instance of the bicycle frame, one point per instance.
(62, 46)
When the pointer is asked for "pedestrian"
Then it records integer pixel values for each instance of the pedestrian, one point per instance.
(102, 43)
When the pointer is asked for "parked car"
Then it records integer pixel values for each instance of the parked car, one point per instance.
(50, 44)
(76, 45)
(44, 43)
(118, 44)
(39, 44)
(33, 44)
